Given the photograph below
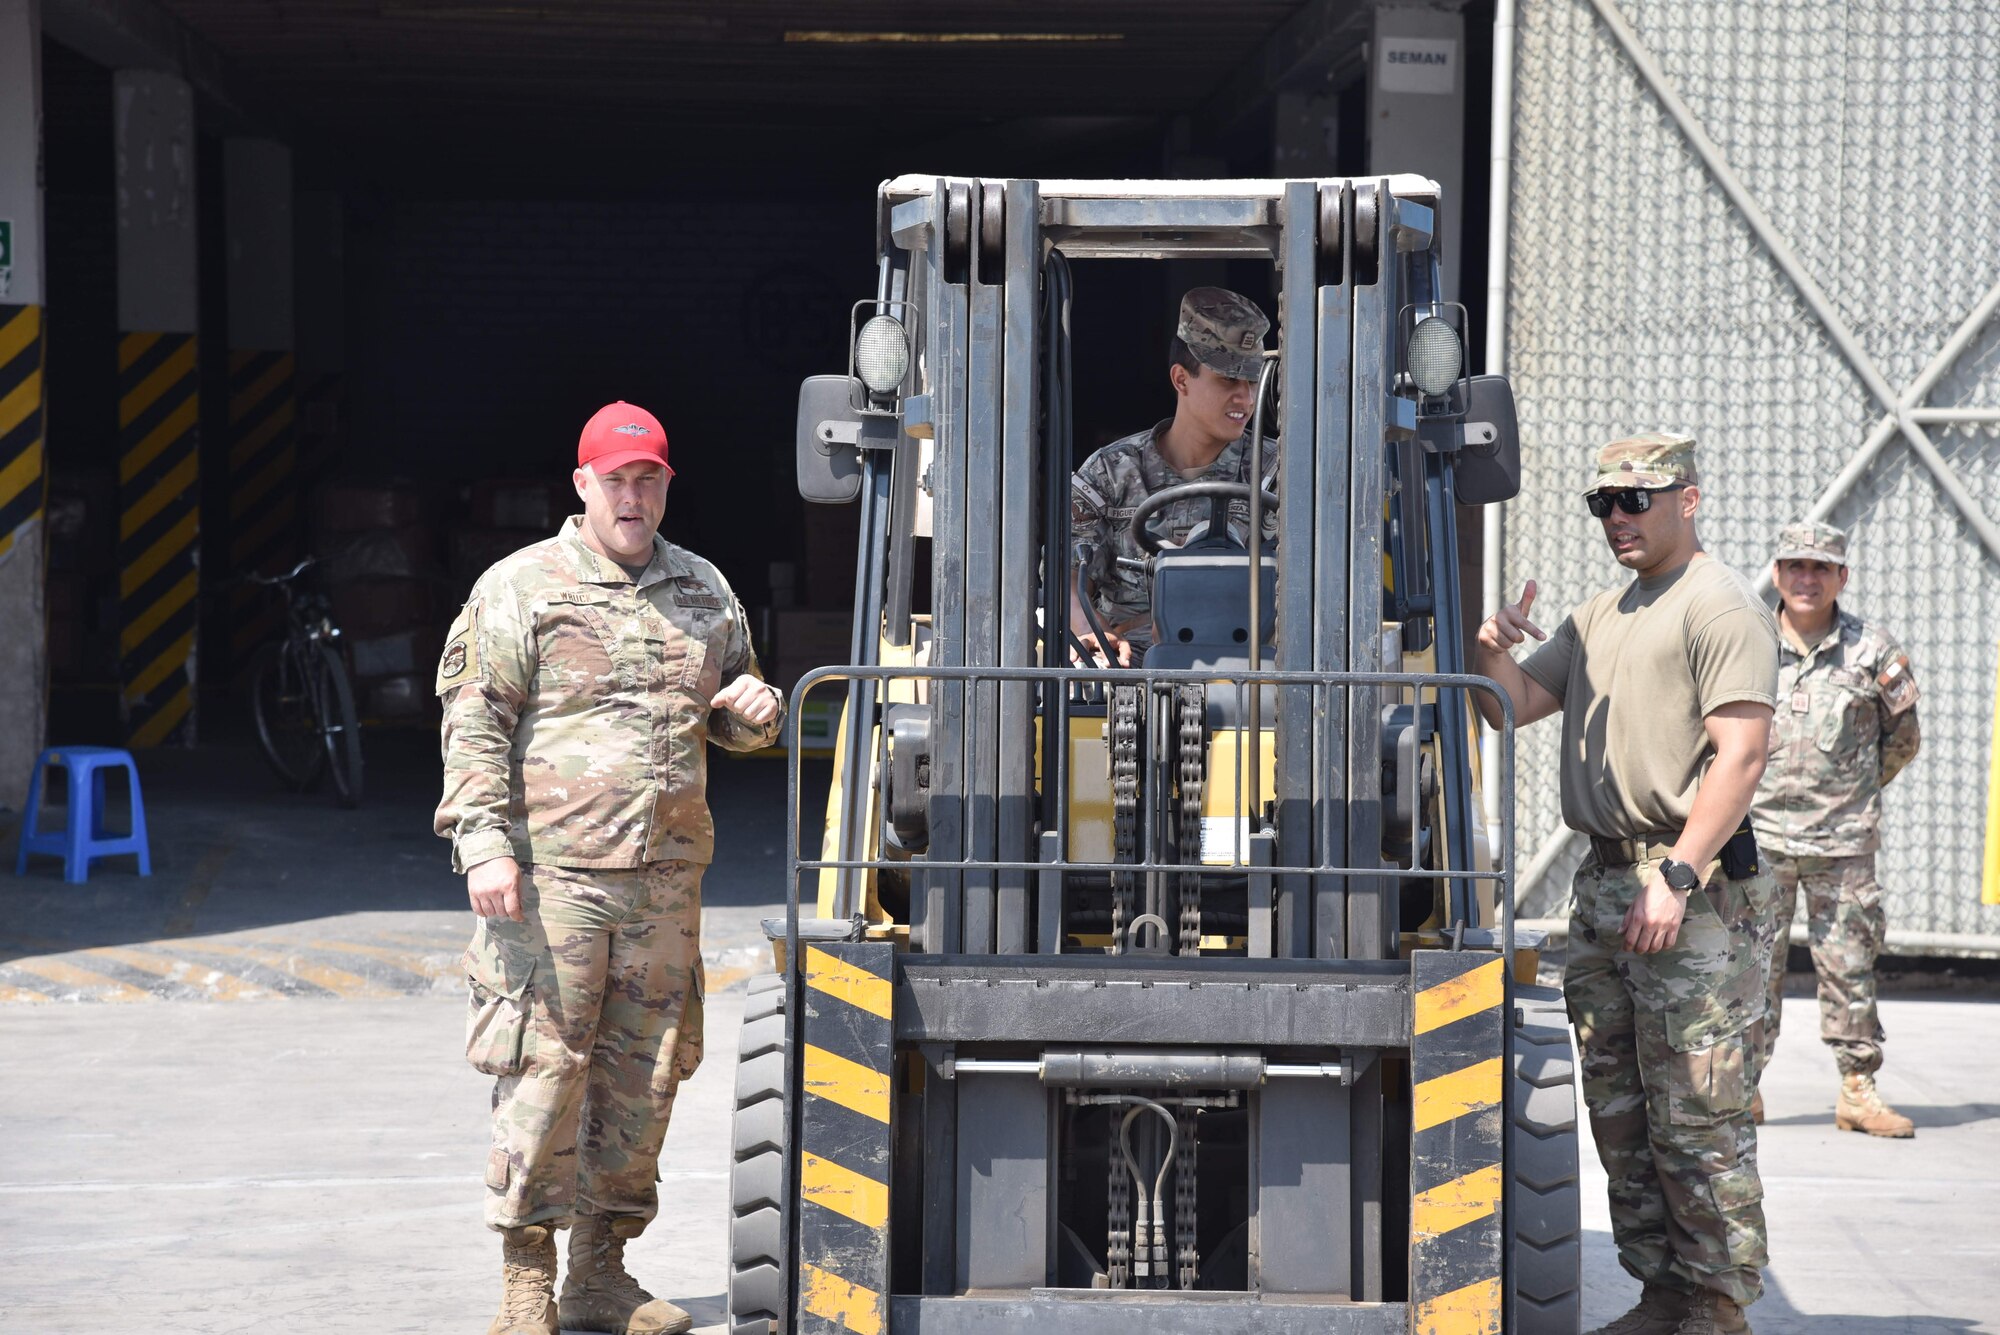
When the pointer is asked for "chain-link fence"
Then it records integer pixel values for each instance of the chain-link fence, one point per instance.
(1642, 297)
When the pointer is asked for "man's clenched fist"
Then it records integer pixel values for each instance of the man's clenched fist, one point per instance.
(749, 699)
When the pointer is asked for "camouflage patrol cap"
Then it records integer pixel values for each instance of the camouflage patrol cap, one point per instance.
(1808, 540)
(1224, 330)
(1656, 459)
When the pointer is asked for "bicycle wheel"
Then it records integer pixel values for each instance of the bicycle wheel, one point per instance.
(282, 706)
(340, 726)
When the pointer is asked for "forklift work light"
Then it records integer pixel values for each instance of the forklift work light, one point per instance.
(881, 354)
(1435, 356)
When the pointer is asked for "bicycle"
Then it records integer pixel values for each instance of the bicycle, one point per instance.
(300, 697)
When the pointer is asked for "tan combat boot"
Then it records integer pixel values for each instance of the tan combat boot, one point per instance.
(528, 1303)
(597, 1294)
(1861, 1109)
(1659, 1312)
(1711, 1313)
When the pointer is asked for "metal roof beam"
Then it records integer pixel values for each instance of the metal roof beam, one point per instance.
(1322, 39)
(141, 35)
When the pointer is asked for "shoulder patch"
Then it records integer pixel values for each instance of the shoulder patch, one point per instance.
(1898, 684)
(460, 662)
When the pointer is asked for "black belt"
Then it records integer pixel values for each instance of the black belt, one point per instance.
(1626, 852)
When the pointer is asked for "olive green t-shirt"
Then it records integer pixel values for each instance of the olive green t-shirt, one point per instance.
(1637, 669)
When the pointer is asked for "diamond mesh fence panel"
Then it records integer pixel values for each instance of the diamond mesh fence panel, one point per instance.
(1640, 299)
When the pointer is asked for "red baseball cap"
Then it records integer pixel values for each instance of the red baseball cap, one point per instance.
(619, 433)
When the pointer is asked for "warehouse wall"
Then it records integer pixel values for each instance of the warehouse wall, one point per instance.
(1641, 297)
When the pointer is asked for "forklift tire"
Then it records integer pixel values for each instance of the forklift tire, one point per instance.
(1545, 1228)
(757, 1165)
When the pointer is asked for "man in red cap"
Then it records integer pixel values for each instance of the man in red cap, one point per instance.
(580, 684)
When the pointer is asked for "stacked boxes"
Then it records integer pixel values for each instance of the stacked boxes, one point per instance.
(379, 565)
(503, 515)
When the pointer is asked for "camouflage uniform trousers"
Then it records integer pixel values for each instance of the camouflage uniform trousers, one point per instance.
(589, 1012)
(1844, 914)
(1664, 1041)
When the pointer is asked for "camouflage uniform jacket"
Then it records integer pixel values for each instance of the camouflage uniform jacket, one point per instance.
(1846, 724)
(1109, 487)
(576, 707)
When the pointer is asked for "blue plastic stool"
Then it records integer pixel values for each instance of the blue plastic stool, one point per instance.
(83, 837)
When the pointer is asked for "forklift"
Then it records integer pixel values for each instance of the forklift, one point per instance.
(1184, 996)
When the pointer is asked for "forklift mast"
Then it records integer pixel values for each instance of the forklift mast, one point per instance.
(1180, 997)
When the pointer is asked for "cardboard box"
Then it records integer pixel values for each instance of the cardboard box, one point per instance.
(369, 608)
(475, 550)
(535, 503)
(349, 507)
(406, 552)
(410, 653)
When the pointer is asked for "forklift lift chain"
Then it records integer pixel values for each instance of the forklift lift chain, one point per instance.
(1192, 707)
(1188, 1258)
(1124, 806)
(1117, 1213)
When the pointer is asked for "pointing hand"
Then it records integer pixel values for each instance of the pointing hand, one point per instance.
(1510, 625)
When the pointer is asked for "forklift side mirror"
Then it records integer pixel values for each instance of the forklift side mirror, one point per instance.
(828, 446)
(1488, 468)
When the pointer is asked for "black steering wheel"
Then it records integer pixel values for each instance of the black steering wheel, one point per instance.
(1219, 493)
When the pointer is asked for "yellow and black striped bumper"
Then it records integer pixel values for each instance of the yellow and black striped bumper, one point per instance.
(1458, 1134)
(23, 475)
(843, 1161)
(159, 523)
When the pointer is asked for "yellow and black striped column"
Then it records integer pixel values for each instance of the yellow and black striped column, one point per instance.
(1458, 1064)
(843, 1166)
(263, 490)
(159, 521)
(23, 474)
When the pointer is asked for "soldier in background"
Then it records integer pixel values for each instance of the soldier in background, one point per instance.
(1213, 364)
(1846, 725)
(1665, 685)
(581, 684)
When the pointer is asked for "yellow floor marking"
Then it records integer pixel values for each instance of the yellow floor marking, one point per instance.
(100, 987)
(827, 1295)
(1454, 1095)
(850, 1084)
(1468, 994)
(851, 983)
(1459, 1201)
(456, 942)
(9, 994)
(337, 981)
(222, 986)
(1472, 1310)
(402, 959)
(844, 1191)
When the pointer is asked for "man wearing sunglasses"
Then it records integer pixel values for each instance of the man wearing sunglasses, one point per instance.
(1666, 686)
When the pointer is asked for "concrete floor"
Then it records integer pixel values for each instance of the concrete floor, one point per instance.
(286, 1136)
(314, 1164)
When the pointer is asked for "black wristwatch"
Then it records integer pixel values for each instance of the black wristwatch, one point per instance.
(1679, 876)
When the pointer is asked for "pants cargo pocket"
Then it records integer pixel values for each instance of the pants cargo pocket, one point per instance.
(688, 1042)
(1705, 1077)
(499, 976)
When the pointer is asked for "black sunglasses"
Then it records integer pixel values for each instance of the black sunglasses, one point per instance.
(1632, 500)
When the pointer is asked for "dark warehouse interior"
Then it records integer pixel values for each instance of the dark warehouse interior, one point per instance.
(505, 216)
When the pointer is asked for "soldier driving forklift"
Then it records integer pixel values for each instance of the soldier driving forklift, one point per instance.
(1181, 996)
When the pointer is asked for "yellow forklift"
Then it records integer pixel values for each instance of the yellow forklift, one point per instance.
(1183, 997)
